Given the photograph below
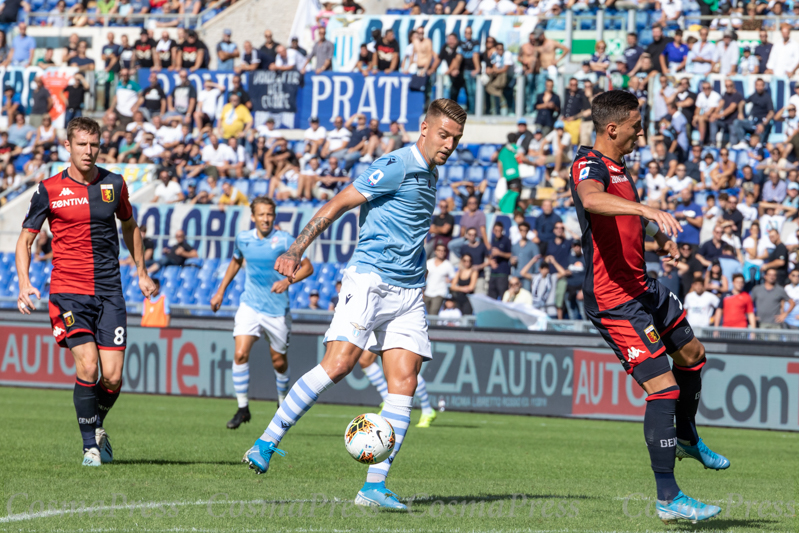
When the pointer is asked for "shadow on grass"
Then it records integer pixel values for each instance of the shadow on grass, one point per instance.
(425, 498)
(457, 426)
(723, 524)
(172, 462)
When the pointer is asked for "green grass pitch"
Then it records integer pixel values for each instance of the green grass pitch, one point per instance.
(178, 469)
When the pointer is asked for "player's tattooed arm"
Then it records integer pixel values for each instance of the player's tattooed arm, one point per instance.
(312, 230)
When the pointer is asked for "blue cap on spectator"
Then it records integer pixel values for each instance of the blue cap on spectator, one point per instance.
(559, 124)
(793, 186)
(227, 32)
(522, 121)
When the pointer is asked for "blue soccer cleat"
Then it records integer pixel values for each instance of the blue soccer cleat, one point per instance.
(106, 452)
(259, 455)
(377, 495)
(703, 454)
(685, 507)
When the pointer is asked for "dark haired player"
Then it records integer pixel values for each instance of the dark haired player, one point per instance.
(87, 309)
(637, 316)
(264, 306)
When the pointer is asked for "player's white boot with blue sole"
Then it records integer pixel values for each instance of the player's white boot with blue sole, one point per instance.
(91, 457)
(106, 453)
(686, 508)
(377, 495)
(259, 455)
(703, 454)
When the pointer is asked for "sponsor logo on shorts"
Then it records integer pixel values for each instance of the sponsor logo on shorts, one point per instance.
(633, 353)
(652, 334)
(107, 191)
(69, 319)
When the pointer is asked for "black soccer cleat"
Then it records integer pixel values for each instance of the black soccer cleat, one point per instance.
(241, 416)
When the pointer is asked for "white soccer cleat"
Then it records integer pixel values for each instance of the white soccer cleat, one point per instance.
(91, 457)
(106, 453)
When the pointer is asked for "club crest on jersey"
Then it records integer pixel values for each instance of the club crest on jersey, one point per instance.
(69, 319)
(652, 334)
(275, 240)
(376, 176)
(107, 191)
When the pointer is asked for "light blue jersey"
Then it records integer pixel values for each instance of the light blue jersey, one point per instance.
(400, 189)
(260, 256)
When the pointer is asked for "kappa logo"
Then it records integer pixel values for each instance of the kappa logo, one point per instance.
(633, 353)
(614, 169)
(66, 191)
(57, 331)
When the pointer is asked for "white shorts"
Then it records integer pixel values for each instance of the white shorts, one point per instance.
(395, 315)
(277, 328)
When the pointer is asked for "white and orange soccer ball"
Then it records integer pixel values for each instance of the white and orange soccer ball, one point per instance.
(369, 438)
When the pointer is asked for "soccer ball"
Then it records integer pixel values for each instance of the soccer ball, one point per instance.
(369, 438)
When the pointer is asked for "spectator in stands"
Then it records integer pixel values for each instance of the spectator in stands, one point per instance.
(499, 261)
(314, 137)
(670, 278)
(46, 138)
(792, 289)
(250, 60)
(516, 293)
(575, 105)
(711, 250)
(728, 54)
(777, 259)
(737, 308)
(547, 105)
(278, 158)
(727, 112)
(701, 306)
(763, 52)
(440, 274)
(57, 18)
(772, 303)
(464, 283)
(655, 50)
(748, 63)
(218, 157)
(715, 280)
(357, 143)
(702, 55)
(633, 51)
(20, 133)
(775, 189)
(5, 51)
(145, 55)
(451, 55)
(759, 118)
(226, 51)
(441, 228)
(733, 215)
(322, 51)
(167, 191)
(44, 246)
(675, 55)
(542, 288)
(207, 98)
(81, 61)
(386, 56)
(523, 252)
(192, 54)
(232, 196)
(126, 99)
(183, 100)
(783, 60)
(364, 63)
(350, 7)
(126, 55)
(42, 102)
(335, 298)
(236, 120)
(338, 138)
(331, 180)
(471, 218)
(286, 59)
(498, 70)
(110, 54)
(23, 44)
(174, 255)
(545, 224)
(689, 214)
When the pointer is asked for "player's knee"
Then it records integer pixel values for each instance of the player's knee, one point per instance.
(241, 356)
(339, 369)
(112, 382)
(694, 353)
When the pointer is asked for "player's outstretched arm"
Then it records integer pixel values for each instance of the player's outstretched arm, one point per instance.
(23, 260)
(596, 200)
(132, 236)
(288, 263)
(232, 269)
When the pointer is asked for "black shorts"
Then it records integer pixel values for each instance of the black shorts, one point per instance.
(643, 330)
(81, 318)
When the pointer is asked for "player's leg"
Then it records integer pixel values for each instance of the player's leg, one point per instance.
(368, 362)
(401, 368)
(428, 413)
(278, 331)
(340, 358)
(689, 358)
(84, 395)
(111, 342)
(241, 374)
(629, 331)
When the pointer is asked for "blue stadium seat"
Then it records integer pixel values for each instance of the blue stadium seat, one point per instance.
(171, 272)
(243, 185)
(442, 174)
(456, 173)
(259, 188)
(454, 158)
(476, 174)
(492, 175)
(485, 152)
